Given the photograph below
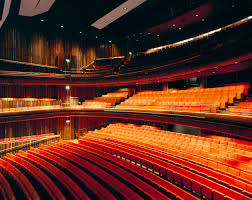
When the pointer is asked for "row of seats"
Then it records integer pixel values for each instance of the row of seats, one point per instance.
(230, 153)
(108, 100)
(206, 176)
(195, 99)
(243, 108)
(242, 144)
(68, 170)
(26, 103)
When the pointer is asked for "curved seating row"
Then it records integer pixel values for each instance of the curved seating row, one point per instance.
(243, 108)
(193, 174)
(206, 100)
(67, 170)
(226, 156)
(108, 100)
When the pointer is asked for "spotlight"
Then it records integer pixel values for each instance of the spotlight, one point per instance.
(109, 41)
(125, 8)
(68, 60)
(130, 53)
(148, 33)
(203, 20)
(196, 15)
(42, 20)
(96, 37)
(61, 26)
(173, 25)
(67, 87)
(80, 32)
(68, 121)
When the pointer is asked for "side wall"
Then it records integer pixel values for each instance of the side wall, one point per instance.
(37, 47)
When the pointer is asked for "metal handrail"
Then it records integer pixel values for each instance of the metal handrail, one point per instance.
(29, 144)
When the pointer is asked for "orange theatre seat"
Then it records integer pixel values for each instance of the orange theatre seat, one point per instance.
(192, 100)
(203, 173)
(108, 100)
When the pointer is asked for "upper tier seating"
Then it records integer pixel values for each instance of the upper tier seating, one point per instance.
(243, 108)
(217, 47)
(209, 166)
(195, 99)
(68, 170)
(14, 104)
(108, 100)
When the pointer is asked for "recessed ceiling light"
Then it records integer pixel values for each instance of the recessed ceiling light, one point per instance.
(109, 41)
(62, 26)
(196, 15)
(179, 28)
(173, 25)
(203, 20)
(42, 20)
(80, 32)
(125, 8)
(67, 87)
(148, 33)
(96, 37)
(158, 35)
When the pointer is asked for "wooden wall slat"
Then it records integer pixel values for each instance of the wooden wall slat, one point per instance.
(37, 48)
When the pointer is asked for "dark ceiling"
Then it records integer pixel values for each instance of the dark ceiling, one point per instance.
(76, 17)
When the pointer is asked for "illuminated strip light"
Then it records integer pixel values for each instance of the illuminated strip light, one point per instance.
(6, 11)
(149, 51)
(211, 32)
(117, 13)
(31, 8)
